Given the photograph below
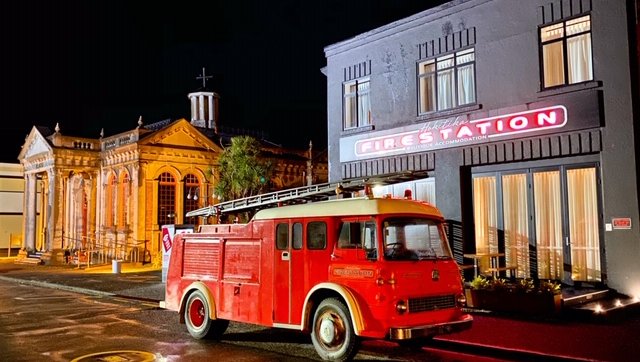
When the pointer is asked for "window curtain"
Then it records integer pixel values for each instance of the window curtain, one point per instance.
(466, 85)
(427, 93)
(516, 223)
(364, 104)
(579, 57)
(548, 227)
(445, 89)
(583, 224)
(350, 116)
(485, 216)
(553, 60)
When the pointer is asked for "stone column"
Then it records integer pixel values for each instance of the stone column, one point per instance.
(201, 108)
(51, 210)
(29, 231)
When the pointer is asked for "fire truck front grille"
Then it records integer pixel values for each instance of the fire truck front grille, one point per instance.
(426, 304)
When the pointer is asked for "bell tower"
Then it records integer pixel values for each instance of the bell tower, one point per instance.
(204, 105)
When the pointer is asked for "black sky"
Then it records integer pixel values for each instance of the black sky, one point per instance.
(100, 64)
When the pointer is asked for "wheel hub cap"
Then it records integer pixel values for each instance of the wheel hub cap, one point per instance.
(327, 331)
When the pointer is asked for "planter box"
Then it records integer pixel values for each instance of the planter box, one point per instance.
(510, 301)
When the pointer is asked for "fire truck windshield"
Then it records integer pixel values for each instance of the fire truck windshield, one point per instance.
(414, 239)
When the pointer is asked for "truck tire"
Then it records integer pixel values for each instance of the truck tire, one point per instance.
(332, 334)
(197, 317)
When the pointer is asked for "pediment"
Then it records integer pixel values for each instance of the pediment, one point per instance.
(34, 144)
(181, 134)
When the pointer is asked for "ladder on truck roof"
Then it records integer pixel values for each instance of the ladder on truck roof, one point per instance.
(300, 194)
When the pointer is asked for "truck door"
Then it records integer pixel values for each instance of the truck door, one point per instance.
(288, 257)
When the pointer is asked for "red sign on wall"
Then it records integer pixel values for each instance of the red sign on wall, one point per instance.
(621, 222)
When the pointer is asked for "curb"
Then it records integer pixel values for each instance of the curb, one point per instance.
(58, 286)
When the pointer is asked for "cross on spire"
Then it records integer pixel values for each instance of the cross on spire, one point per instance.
(204, 78)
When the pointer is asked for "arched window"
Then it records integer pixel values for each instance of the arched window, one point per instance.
(166, 199)
(110, 200)
(124, 195)
(191, 196)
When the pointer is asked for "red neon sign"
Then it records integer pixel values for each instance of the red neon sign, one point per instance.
(456, 133)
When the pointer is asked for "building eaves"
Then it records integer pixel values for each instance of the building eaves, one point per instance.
(401, 25)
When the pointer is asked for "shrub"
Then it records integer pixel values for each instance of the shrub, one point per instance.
(480, 282)
(525, 285)
(549, 286)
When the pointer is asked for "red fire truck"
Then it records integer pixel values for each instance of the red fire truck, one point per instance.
(341, 270)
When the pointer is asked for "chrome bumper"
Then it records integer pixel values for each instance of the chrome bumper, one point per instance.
(431, 329)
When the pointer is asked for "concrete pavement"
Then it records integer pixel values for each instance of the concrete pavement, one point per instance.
(568, 338)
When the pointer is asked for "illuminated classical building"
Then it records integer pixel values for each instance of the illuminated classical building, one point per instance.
(110, 195)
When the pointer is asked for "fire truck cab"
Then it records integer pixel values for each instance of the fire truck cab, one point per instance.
(341, 270)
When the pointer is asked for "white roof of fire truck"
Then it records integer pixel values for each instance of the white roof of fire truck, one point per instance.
(350, 207)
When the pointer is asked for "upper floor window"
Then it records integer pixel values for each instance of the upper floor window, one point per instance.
(357, 104)
(447, 81)
(566, 52)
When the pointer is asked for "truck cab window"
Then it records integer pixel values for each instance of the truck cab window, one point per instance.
(282, 236)
(316, 235)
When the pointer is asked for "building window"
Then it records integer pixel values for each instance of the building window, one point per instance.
(124, 195)
(191, 194)
(566, 52)
(166, 199)
(447, 81)
(110, 209)
(357, 104)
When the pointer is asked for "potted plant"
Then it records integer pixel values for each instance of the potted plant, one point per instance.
(520, 296)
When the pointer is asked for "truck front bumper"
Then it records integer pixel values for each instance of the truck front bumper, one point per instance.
(431, 329)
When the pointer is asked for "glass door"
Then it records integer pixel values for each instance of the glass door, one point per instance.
(549, 220)
(583, 240)
(547, 205)
(515, 194)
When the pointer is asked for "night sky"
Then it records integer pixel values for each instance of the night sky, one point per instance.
(101, 64)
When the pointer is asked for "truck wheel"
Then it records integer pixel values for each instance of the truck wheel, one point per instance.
(332, 335)
(198, 318)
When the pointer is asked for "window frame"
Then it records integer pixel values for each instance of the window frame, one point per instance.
(319, 232)
(167, 186)
(564, 40)
(356, 98)
(455, 67)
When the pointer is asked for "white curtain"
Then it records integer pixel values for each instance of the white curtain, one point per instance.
(583, 224)
(364, 105)
(485, 217)
(466, 85)
(516, 223)
(350, 115)
(548, 214)
(579, 58)
(445, 89)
